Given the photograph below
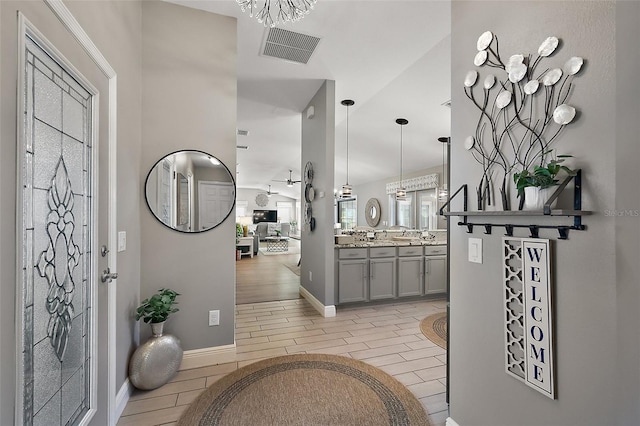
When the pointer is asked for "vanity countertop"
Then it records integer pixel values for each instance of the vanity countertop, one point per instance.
(390, 243)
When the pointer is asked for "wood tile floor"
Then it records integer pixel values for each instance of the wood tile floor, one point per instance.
(386, 336)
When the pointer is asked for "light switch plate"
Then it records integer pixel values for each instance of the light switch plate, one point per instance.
(122, 241)
(475, 250)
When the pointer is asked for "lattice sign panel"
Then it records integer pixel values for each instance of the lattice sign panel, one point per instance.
(528, 321)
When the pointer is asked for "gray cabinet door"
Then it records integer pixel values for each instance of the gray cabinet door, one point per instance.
(410, 276)
(382, 281)
(435, 274)
(352, 280)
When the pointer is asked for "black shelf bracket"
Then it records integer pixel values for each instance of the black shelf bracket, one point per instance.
(534, 229)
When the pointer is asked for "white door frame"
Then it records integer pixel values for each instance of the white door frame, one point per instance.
(76, 30)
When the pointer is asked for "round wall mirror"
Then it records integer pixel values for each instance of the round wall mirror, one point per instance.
(190, 191)
(372, 212)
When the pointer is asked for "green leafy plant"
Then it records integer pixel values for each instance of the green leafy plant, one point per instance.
(158, 307)
(542, 176)
(239, 230)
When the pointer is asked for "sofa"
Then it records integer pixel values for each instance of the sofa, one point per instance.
(268, 229)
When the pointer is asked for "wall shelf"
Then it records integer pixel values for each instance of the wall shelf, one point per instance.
(563, 230)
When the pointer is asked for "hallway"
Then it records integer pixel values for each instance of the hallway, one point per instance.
(386, 336)
(268, 277)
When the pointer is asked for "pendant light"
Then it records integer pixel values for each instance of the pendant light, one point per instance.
(443, 193)
(401, 192)
(346, 188)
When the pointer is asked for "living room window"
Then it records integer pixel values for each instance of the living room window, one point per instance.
(285, 211)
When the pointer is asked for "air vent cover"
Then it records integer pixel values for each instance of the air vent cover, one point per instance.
(289, 45)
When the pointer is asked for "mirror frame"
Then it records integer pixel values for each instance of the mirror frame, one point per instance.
(371, 204)
(193, 231)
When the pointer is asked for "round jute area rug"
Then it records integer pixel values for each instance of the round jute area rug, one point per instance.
(306, 390)
(435, 328)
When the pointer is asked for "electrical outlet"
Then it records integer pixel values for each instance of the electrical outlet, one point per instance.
(310, 276)
(214, 318)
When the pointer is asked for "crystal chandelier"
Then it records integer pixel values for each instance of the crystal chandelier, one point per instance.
(401, 193)
(283, 10)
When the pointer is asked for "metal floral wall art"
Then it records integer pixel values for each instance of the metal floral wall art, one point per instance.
(522, 109)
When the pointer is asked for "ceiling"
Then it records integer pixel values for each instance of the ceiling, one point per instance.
(391, 57)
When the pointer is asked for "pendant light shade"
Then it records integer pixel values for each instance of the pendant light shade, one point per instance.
(347, 191)
(401, 192)
(443, 193)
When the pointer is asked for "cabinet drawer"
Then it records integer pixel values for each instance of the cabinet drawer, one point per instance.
(432, 250)
(353, 253)
(382, 252)
(410, 251)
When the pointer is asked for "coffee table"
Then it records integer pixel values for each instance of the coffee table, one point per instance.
(277, 244)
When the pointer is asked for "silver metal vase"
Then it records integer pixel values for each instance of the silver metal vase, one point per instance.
(156, 361)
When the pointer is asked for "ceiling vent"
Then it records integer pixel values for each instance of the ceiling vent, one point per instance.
(288, 45)
(242, 132)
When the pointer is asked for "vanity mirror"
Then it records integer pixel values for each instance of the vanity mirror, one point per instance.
(190, 191)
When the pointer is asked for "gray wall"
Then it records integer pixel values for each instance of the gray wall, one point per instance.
(249, 195)
(115, 28)
(189, 102)
(627, 228)
(595, 289)
(318, 146)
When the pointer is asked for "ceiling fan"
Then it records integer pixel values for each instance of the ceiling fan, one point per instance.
(289, 181)
(270, 192)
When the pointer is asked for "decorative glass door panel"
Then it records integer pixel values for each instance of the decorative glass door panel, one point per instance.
(57, 268)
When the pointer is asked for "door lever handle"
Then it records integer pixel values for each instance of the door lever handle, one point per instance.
(108, 276)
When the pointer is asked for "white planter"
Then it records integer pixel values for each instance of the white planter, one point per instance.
(534, 197)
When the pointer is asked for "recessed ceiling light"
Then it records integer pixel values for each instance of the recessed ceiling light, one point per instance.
(447, 103)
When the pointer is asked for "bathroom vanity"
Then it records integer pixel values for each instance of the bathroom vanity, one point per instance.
(387, 269)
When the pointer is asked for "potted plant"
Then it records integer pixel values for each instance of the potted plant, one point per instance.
(536, 187)
(157, 308)
(157, 360)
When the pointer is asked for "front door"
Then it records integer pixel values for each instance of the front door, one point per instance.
(63, 149)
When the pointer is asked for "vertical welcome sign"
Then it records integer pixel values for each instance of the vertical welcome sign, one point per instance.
(528, 313)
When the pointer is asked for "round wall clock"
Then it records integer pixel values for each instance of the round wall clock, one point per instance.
(262, 200)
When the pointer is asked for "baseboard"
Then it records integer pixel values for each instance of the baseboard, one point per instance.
(123, 397)
(325, 311)
(451, 422)
(197, 358)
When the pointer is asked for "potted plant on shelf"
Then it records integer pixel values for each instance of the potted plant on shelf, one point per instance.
(157, 308)
(536, 187)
